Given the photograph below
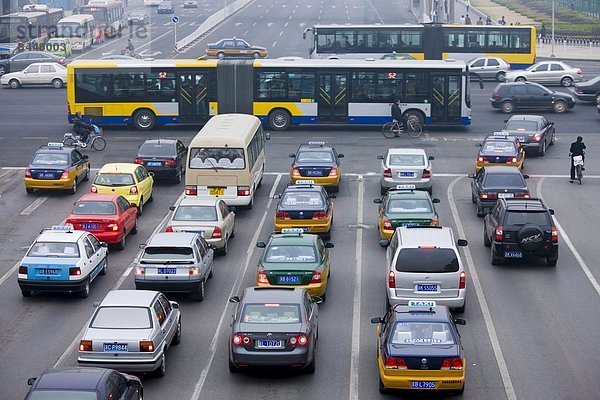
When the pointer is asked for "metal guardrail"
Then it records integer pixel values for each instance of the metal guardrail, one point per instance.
(570, 41)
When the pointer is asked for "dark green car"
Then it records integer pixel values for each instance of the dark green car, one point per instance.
(405, 208)
(295, 258)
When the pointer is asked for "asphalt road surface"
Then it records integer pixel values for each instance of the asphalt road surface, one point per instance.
(530, 329)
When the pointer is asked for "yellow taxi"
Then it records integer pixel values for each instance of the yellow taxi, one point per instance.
(129, 180)
(317, 162)
(500, 150)
(235, 47)
(56, 167)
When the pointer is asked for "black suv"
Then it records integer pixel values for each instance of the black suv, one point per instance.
(519, 228)
(529, 95)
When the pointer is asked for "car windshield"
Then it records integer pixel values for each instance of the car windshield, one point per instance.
(54, 394)
(138, 13)
(50, 159)
(412, 160)
(422, 333)
(195, 213)
(302, 198)
(409, 205)
(593, 81)
(504, 180)
(94, 208)
(498, 148)
(122, 318)
(520, 125)
(114, 179)
(155, 149)
(54, 249)
(527, 217)
(314, 156)
(217, 158)
(290, 253)
(168, 253)
(271, 313)
(427, 260)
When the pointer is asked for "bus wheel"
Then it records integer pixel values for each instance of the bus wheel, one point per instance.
(144, 120)
(280, 120)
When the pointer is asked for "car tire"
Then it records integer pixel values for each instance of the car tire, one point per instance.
(2, 70)
(57, 83)
(461, 310)
(212, 271)
(461, 391)
(551, 262)
(29, 190)
(542, 151)
(473, 198)
(430, 191)
(324, 295)
(121, 244)
(480, 212)
(177, 337)
(552, 139)
(530, 231)
(220, 55)
(520, 79)
(566, 81)
(501, 76)
(223, 251)
(140, 207)
(144, 120)
(335, 189)
(232, 233)
(327, 235)
(105, 268)
(507, 107)
(256, 55)
(486, 239)
(597, 99)
(280, 119)
(382, 389)
(198, 295)
(151, 199)
(85, 292)
(134, 230)
(86, 177)
(74, 188)
(179, 176)
(162, 368)
(14, 84)
(494, 259)
(311, 367)
(26, 293)
(559, 107)
(232, 368)
(251, 204)
(383, 190)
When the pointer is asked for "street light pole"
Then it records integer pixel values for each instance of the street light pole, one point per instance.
(552, 55)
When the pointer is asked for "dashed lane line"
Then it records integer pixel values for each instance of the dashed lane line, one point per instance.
(33, 206)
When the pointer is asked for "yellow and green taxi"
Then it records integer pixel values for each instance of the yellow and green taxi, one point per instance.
(305, 206)
(502, 150)
(419, 349)
(131, 181)
(317, 162)
(60, 46)
(297, 259)
(405, 206)
(56, 167)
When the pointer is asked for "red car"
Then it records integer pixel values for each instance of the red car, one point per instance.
(109, 217)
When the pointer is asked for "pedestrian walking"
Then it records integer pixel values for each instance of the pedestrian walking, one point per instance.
(468, 20)
(462, 19)
(543, 32)
(488, 20)
(468, 5)
(479, 21)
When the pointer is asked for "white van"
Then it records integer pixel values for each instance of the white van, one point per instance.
(80, 29)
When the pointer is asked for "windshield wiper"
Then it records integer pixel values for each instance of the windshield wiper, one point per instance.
(213, 165)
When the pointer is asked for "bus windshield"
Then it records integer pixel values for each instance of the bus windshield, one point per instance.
(217, 158)
(70, 29)
(99, 14)
(9, 29)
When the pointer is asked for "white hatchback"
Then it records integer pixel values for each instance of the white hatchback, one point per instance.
(37, 74)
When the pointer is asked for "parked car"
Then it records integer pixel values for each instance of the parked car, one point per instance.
(37, 74)
(492, 183)
(489, 67)
(60, 47)
(588, 90)
(166, 7)
(165, 158)
(138, 17)
(24, 59)
(528, 95)
(190, 3)
(550, 72)
(533, 132)
(405, 167)
(235, 47)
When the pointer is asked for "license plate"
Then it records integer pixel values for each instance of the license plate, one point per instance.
(427, 288)
(167, 271)
(313, 172)
(409, 224)
(406, 174)
(154, 164)
(90, 226)
(422, 385)
(304, 228)
(49, 271)
(115, 347)
(216, 191)
(47, 176)
(513, 254)
(505, 195)
(201, 233)
(269, 344)
(289, 279)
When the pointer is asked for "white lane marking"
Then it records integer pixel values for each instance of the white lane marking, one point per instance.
(569, 243)
(274, 44)
(487, 316)
(34, 137)
(33, 206)
(245, 33)
(234, 289)
(10, 272)
(356, 319)
(281, 33)
(167, 24)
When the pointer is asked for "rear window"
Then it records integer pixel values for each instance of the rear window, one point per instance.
(515, 125)
(168, 253)
(217, 158)
(271, 313)
(422, 333)
(54, 249)
(427, 260)
(504, 180)
(314, 156)
(114, 179)
(50, 159)
(413, 160)
(122, 318)
(522, 218)
(497, 148)
(284, 254)
(94, 208)
(302, 198)
(409, 205)
(195, 213)
(53, 394)
(154, 149)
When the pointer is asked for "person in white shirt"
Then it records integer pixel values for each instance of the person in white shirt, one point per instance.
(462, 19)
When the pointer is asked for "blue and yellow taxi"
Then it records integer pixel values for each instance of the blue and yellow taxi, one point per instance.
(419, 349)
(305, 206)
(501, 150)
(318, 162)
(56, 167)
(297, 259)
(62, 259)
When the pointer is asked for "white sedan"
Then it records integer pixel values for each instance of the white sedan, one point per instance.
(37, 74)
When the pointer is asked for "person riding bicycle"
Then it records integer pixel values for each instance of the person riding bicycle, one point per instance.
(82, 128)
(577, 149)
(397, 114)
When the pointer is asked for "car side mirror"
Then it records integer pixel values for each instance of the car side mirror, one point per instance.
(172, 208)
(142, 246)
(86, 157)
(462, 242)
(95, 304)
(329, 245)
(460, 321)
(277, 196)
(377, 201)
(376, 320)
(380, 157)
(292, 155)
(471, 176)
(479, 145)
(525, 176)
(25, 72)
(104, 244)
(505, 121)
(317, 299)
(234, 299)
(431, 158)
(384, 243)
(551, 211)
(134, 383)
(332, 196)
(546, 93)
(340, 156)
(551, 124)
(31, 381)
(436, 200)
(261, 245)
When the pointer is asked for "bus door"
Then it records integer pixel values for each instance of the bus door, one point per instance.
(193, 97)
(445, 98)
(333, 97)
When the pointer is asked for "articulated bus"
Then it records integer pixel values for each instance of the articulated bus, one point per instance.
(108, 15)
(280, 92)
(515, 44)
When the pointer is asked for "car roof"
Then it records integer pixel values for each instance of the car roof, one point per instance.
(419, 194)
(118, 167)
(434, 314)
(416, 236)
(525, 117)
(304, 188)
(60, 236)
(497, 169)
(134, 298)
(71, 378)
(525, 204)
(406, 151)
(323, 147)
(172, 239)
(45, 149)
(194, 201)
(98, 197)
(272, 294)
(160, 141)
(292, 238)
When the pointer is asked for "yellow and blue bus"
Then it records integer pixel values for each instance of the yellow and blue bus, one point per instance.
(281, 92)
(515, 43)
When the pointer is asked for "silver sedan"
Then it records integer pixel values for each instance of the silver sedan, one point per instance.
(489, 67)
(549, 72)
(406, 167)
(131, 331)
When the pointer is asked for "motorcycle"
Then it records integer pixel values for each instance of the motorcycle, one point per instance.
(94, 139)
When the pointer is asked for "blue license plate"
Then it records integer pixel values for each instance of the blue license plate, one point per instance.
(154, 164)
(167, 271)
(49, 271)
(313, 172)
(289, 279)
(422, 385)
(304, 228)
(513, 254)
(407, 174)
(409, 224)
(115, 347)
(269, 344)
(90, 226)
(427, 288)
(47, 176)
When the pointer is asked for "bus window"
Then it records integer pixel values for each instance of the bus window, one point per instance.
(301, 86)
(345, 41)
(271, 86)
(363, 86)
(217, 158)
(325, 42)
(389, 86)
(416, 87)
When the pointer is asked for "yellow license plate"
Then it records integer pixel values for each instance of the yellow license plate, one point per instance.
(217, 191)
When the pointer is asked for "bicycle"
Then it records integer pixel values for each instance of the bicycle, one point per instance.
(94, 140)
(394, 128)
(578, 163)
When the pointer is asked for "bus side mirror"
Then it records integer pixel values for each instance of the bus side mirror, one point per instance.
(305, 32)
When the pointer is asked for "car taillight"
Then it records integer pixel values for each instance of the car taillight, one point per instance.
(282, 215)
(60, 60)
(435, 222)
(499, 234)
(452, 363)
(537, 137)
(463, 280)
(23, 270)
(65, 175)
(112, 227)
(194, 271)
(170, 162)
(169, 229)
(191, 190)
(512, 160)
(85, 345)
(243, 191)
(554, 235)
(395, 363)
(139, 161)
(146, 346)
(27, 173)
(140, 271)
(94, 189)
(241, 340)
(217, 233)
(387, 173)
(489, 196)
(262, 277)
(426, 173)
(579, 72)
(333, 172)
(522, 195)
(496, 96)
(320, 215)
(74, 271)
(482, 159)
(133, 190)
(387, 225)
(392, 280)
(296, 173)
(316, 278)
(578, 90)
(300, 340)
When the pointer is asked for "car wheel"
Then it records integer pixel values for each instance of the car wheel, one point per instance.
(383, 190)
(105, 268)
(85, 292)
(144, 120)
(151, 199)
(26, 293)
(74, 188)
(280, 120)
(508, 107)
(486, 239)
(121, 244)
(57, 83)
(460, 391)
(223, 251)
(542, 151)
(87, 175)
(134, 230)
(232, 234)
(335, 189)
(500, 76)
(461, 310)
(211, 273)
(255, 55)
(177, 337)
(14, 84)
(480, 212)
(141, 394)
(597, 99)
(29, 190)
(494, 259)
(559, 107)
(220, 55)
(311, 367)
(430, 191)
(162, 369)
(198, 295)
(551, 262)
(251, 204)
(141, 206)
(566, 81)
(324, 295)
(521, 79)
(179, 176)
(2, 70)
(473, 198)
(232, 368)
(382, 388)
(327, 235)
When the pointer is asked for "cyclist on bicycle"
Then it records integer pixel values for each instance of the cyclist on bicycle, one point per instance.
(577, 149)
(82, 128)
(397, 114)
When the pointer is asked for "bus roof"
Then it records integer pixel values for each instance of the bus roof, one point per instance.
(31, 14)
(76, 18)
(398, 26)
(232, 130)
